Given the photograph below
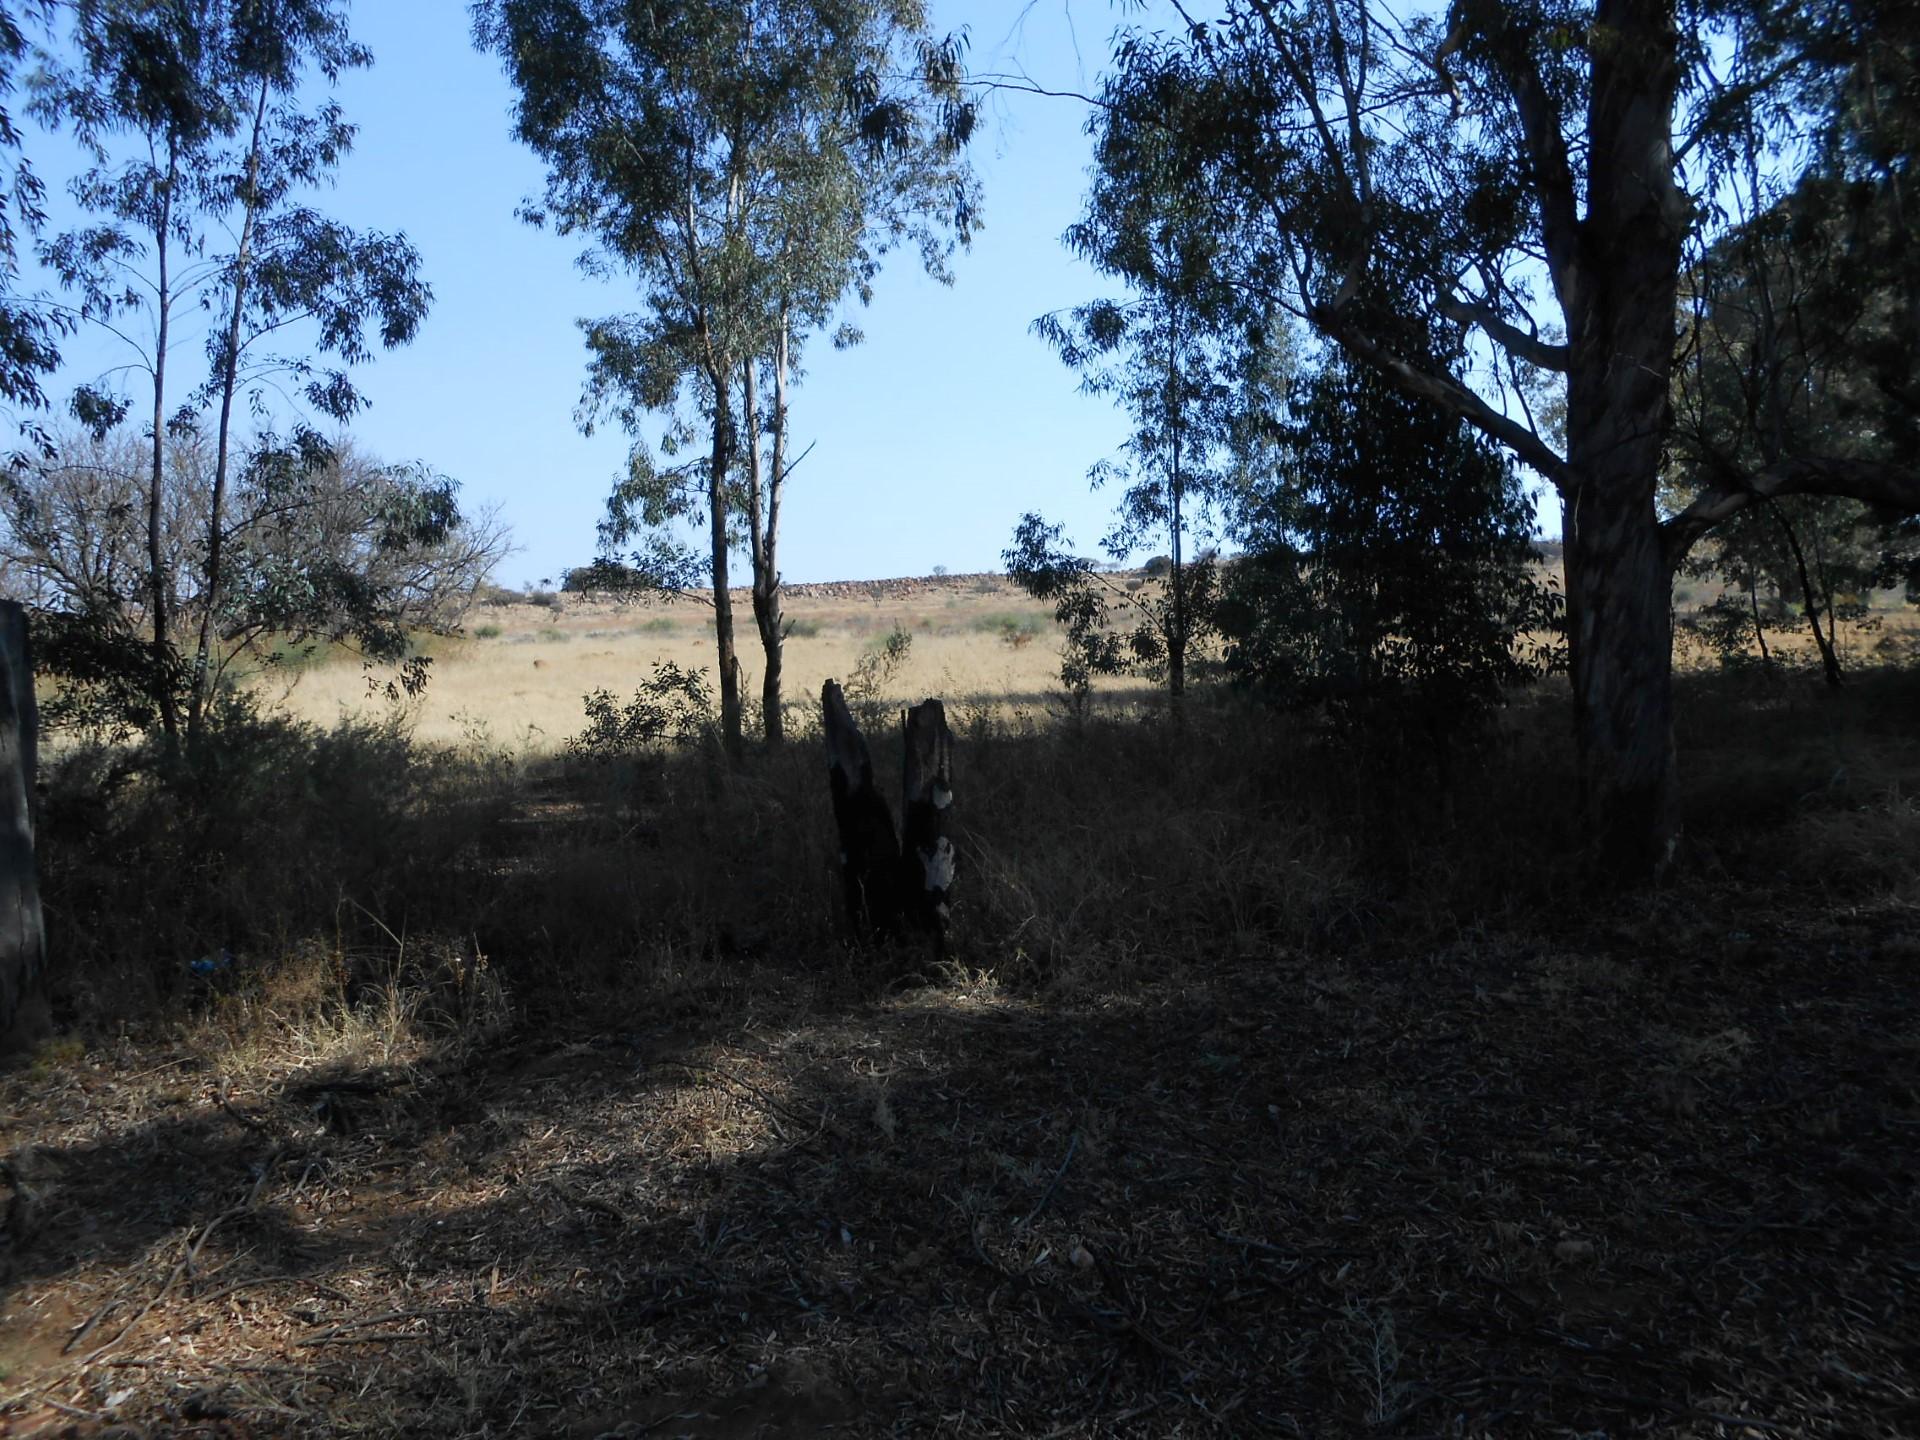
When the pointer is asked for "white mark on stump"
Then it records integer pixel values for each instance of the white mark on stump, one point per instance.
(939, 865)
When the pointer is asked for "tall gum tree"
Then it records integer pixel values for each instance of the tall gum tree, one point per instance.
(746, 164)
(192, 113)
(291, 270)
(1540, 171)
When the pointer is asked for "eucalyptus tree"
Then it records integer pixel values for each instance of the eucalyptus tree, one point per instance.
(28, 332)
(1388, 574)
(1801, 326)
(1539, 171)
(291, 269)
(1166, 353)
(747, 164)
(146, 73)
(193, 113)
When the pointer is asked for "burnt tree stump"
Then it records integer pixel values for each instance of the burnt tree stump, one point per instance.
(926, 795)
(895, 881)
(23, 945)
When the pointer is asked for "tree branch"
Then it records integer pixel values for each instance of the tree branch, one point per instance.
(1515, 341)
(1451, 395)
(1546, 147)
(1897, 487)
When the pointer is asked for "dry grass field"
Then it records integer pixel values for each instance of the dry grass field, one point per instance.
(516, 678)
(1264, 1086)
(520, 672)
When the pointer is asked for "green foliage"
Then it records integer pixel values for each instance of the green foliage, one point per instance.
(29, 333)
(876, 669)
(324, 548)
(1729, 628)
(748, 166)
(1189, 364)
(1110, 630)
(1388, 566)
(674, 706)
(204, 102)
(202, 152)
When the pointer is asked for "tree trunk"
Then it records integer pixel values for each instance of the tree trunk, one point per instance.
(763, 524)
(229, 384)
(717, 505)
(1619, 283)
(1620, 646)
(1176, 574)
(156, 559)
(1759, 626)
(23, 947)
(1829, 656)
(894, 883)
(767, 606)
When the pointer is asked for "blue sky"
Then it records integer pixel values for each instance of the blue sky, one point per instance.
(930, 439)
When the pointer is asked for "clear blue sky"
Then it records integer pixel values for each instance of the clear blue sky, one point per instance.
(930, 438)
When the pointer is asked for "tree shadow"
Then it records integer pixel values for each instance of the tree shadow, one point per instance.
(1490, 1192)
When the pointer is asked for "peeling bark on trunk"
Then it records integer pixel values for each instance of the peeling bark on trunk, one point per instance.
(23, 946)
(1620, 287)
(1620, 644)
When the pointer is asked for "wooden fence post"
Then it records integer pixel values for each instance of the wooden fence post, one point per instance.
(23, 945)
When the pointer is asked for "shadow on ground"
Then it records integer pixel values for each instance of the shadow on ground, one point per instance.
(1616, 1191)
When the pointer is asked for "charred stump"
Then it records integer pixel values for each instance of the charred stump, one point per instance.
(23, 946)
(896, 881)
(926, 795)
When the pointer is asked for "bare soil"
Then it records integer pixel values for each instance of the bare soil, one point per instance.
(1652, 1178)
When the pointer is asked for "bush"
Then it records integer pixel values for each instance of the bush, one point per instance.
(270, 832)
(489, 631)
(673, 707)
(1389, 575)
(876, 670)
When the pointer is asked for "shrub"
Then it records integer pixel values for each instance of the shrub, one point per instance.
(876, 670)
(489, 631)
(271, 831)
(673, 707)
(1389, 574)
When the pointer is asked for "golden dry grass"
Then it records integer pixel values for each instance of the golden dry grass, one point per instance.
(518, 675)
